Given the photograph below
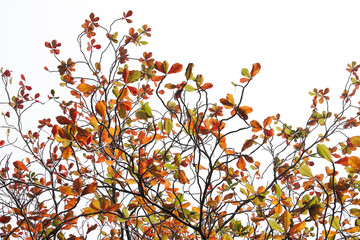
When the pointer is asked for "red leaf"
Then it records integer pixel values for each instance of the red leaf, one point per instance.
(5, 219)
(20, 165)
(22, 77)
(177, 67)
(2, 142)
(129, 13)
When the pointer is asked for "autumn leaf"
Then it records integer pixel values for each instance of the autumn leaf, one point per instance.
(354, 162)
(20, 165)
(182, 177)
(68, 191)
(85, 88)
(286, 220)
(91, 188)
(324, 152)
(5, 219)
(66, 154)
(177, 67)
(63, 120)
(244, 111)
(355, 141)
(77, 185)
(255, 69)
(100, 108)
(297, 228)
(256, 126)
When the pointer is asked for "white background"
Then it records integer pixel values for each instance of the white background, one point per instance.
(300, 44)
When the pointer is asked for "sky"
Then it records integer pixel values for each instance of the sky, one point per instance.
(300, 45)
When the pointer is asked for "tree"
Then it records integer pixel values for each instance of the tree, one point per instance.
(134, 156)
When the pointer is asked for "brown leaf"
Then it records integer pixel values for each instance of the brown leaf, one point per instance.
(256, 126)
(5, 219)
(63, 120)
(182, 177)
(89, 189)
(77, 185)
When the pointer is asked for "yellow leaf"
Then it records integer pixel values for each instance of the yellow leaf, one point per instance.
(297, 228)
(100, 108)
(226, 237)
(286, 220)
(66, 152)
(354, 162)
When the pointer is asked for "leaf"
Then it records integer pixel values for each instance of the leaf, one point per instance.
(91, 188)
(188, 72)
(286, 220)
(175, 68)
(77, 185)
(226, 237)
(100, 108)
(68, 191)
(354, 162)
(133, 76)
(255, 69)
(245, 72)
(274, 225)
(278, 191)
(5, 219)
(141, 114)
(355, 141)
(297, 228)
(256, 126)
(335, 223)
(85, 88)
(207, 86)
(20, 165)
(324, 152)
(66, 154)
(244, 111)
(241, 164)
(189, 88)
(63, 120)
(267, 122)
(305, 171)
(168, 126)
(182, 177)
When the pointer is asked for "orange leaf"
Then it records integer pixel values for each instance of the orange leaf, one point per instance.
(125, 74)
(67, 191)
(66, 152)
(267, 122)
(207, 86)
(175, 68)
(159, 67)
(297, 228)
(255, 69)
(244, 111)
(256, 126)
(20, 165)
(85, 88)
(100, 108)
(354, 162)
(89, 189)
(355, 141)
(247, 144)
(241, 164)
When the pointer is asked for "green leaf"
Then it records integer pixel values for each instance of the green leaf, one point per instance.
(335, 223)
(147, 109)
(125, 212)
(278, 191)
(141, 114)
(170, 167)
(324, 152)
(274, 225)
(189, 88)
(168, 126)
(134, 76)
(250, 188)
(188, 72)
(245, 72)
(305, 171)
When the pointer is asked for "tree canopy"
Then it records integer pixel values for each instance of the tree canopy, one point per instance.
(139, 149)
